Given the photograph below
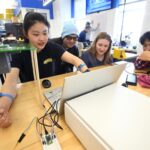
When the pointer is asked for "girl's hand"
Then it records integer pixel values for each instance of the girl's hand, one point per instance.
(5, 119)
(145, 56)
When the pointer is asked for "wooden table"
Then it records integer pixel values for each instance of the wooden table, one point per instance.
(26, 107)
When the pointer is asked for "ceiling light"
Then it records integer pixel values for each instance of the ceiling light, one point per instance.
(46, 2)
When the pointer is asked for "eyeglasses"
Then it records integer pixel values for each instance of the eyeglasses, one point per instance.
(72, 38)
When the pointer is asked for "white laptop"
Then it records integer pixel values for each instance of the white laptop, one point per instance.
(80, 84)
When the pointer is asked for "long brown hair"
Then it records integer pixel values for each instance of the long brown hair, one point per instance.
(107, 55)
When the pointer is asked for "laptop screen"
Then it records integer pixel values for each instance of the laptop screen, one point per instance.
(86, 82)
(83, 83)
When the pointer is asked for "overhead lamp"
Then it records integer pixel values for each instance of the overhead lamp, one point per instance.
(46, 2)
(8, 4)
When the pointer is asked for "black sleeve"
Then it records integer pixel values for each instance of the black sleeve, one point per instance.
(76, 51)
(16, 60)
(55, 50)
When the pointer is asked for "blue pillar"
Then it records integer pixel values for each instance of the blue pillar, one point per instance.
(51, 11)
(72, 9)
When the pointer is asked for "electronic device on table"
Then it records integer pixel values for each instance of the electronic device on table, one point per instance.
(80, 84)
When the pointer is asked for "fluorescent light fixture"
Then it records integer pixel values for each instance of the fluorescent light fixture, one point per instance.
(46, 2)
(8, 4)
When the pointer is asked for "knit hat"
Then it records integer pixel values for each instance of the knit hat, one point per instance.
(68, 29)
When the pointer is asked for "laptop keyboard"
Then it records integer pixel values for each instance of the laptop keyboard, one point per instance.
(53, 95)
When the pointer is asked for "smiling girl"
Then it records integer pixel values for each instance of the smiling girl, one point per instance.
(36, 29)
(99, 52)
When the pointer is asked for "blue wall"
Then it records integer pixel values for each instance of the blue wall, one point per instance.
(38, 4)
(72, 8)
(34, 4)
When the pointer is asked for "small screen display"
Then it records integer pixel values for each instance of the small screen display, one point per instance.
(15, 28)
(97, 5)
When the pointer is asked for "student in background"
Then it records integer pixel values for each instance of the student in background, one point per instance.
(68, 40)
(82, 36)
(36, 29)
(92, 29)
(99, 53)
(143, 61)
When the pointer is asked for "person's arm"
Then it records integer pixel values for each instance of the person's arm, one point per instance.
(95, 28)
(145, 56)
(141, 64)
(9, 88)
(68, 57)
